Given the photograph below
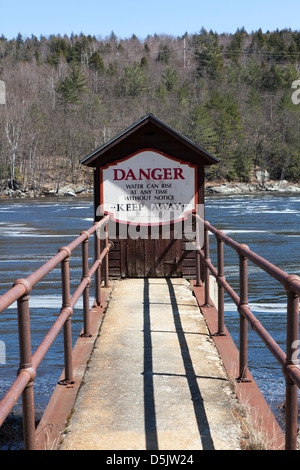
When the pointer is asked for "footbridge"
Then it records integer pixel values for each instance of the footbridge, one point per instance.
(154, 367)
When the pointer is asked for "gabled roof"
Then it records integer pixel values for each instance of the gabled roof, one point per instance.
(90, 159)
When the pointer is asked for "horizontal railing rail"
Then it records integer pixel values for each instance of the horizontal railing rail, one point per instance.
(20, 293)
(289, 361)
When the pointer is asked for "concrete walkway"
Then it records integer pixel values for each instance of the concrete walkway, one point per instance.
(155, 380)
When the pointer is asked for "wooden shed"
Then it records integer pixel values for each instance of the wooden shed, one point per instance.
(150, 178)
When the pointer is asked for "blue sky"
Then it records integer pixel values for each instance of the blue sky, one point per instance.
(127, 17)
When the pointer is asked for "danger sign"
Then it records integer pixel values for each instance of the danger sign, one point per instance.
(148, 188)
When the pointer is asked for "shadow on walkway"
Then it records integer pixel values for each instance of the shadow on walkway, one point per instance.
(191, 377)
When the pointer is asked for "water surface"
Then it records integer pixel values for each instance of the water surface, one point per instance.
(270, 226)
(32, 231)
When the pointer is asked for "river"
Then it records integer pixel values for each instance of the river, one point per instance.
(31, 232)
(270, 226)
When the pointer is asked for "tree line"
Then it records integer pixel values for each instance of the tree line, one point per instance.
(229, 93)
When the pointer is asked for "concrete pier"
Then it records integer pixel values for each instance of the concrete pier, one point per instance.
(155, 380)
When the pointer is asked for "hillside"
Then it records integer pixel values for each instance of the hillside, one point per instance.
(233, 94)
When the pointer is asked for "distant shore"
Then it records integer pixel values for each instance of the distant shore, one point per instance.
(211, 187)
(282, 187)
(19, 192)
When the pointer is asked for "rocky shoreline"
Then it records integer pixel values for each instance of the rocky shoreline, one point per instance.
(74, 190)
(19, 191)
(282, 187)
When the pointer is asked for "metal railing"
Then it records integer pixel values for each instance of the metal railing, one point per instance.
(20, 292)
(288, 361)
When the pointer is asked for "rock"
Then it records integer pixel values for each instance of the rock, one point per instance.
(292, 189)
(262, 176)
(270, 188)
(49, 193)
(68, 192)
(8, 192)
(282, 186)
(20, 194)
(79, 189)
(229, 189)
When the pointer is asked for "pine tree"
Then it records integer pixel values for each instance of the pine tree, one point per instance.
(96, 62)
(234, 50)
(164, 54)
(134, 80)
(243, 161)
(208, 55)
(169, 78)
(73, 86)
(253, 99)
(201, 129)
(228, 127)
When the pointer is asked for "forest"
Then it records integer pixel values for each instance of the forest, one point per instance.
(232, 94)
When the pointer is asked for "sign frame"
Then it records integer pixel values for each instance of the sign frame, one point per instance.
(181, 163)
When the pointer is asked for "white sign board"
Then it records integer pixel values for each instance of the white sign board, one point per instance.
(148, 188)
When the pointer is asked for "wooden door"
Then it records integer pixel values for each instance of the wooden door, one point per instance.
(161, 257)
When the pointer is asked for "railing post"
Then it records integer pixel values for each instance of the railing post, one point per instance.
(198, 269)
(26, 364)
(98, 271)
(106, 263)
(86, 292)
(198, 257)
(220, 287)
(65, 278)
(206, 269)
(292, 339)
(243, 352)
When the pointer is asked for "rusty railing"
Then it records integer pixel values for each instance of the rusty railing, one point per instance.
(20, 292)
(288, 361)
